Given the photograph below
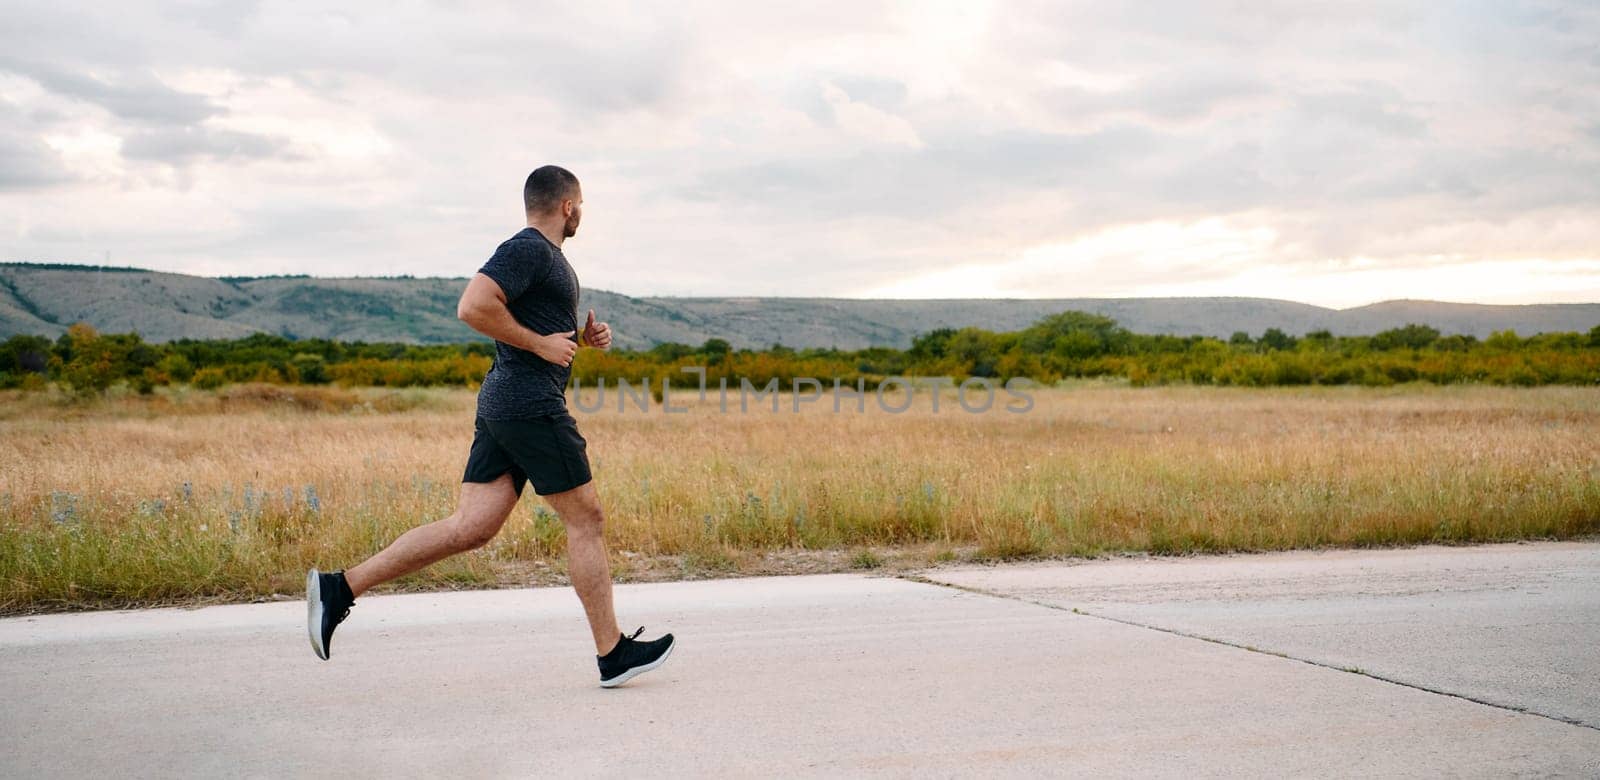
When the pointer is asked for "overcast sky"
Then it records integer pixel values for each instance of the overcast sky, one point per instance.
(1336, 153)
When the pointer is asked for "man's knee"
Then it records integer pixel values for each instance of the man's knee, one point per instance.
(470, 531)
(584, 520)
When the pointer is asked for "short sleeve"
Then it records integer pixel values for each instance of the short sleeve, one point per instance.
(517, 266)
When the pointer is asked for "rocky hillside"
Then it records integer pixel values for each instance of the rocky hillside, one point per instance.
(44, 299)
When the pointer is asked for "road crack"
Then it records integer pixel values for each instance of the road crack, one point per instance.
(1251, 648)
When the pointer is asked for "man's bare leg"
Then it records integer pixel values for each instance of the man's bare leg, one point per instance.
(587, 564)
(479, 514)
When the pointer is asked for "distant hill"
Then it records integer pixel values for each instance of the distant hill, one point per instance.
(44, 299)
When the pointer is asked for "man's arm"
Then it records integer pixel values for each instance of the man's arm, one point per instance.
(483, 308)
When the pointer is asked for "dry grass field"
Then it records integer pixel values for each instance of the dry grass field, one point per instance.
(188, 496)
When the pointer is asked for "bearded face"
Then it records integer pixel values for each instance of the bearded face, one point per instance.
(571, 228)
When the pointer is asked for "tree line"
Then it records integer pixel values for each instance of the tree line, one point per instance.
(1070, 344)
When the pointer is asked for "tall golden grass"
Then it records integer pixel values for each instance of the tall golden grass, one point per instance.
(189, 495)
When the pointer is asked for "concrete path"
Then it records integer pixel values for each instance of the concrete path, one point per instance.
(856, 675)
(1515, 625)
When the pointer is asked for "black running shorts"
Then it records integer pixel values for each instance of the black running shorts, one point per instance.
(547, 451)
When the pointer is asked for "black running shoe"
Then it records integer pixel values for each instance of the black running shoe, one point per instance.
(631, 658)
(328, 601)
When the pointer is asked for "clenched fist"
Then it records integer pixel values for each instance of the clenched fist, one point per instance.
(558, 348)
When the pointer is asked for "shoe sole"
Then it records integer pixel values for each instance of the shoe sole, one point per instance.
(638, 670)
(314, 613)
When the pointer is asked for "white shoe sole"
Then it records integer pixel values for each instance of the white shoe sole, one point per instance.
(638, 670)
(314, 613)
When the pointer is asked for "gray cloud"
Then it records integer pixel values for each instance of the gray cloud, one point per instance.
(1174, 96)
(27, 163)
(181, 146)
(955, 172)
(887, 94)
(1371, 108)
(159, 123)
(135, 95)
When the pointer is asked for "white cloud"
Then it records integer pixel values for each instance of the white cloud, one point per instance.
(868, 123)
(1121, 261)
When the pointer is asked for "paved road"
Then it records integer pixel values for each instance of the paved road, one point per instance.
(856, 675)
(1515, 625)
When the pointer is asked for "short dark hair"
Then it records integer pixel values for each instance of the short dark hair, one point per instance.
(546, 187)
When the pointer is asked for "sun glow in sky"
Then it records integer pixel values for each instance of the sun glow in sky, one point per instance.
(1336, 154)
(1214, 258)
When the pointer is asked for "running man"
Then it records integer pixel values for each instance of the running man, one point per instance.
(525, 298)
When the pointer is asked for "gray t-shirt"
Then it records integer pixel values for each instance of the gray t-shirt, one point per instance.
(542, 293)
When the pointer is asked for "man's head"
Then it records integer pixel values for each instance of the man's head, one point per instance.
(552, 192)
